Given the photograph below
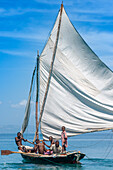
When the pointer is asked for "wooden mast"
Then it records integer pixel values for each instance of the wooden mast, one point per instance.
(52, 63)
(37, 95)
(50, 72)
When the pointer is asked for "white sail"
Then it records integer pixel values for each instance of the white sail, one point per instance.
(27, 110)
(80, 94)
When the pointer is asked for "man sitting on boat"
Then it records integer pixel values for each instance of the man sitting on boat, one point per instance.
(18, 141)
(51, 142)
(56, 148)
(39, 147)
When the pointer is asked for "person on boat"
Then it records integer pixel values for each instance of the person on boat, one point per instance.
(64, 139)
(51, 142)
(18, 141)
(56, 148)
(39, 147)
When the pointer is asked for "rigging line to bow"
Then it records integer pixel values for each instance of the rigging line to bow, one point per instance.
(110, 148)
(93, 159)
(87, 146)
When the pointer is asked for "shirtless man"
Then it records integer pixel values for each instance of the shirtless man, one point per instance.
(18, 141)
(51, 142)
(40, 147)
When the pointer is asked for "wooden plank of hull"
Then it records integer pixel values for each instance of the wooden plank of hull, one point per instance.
(69, 158)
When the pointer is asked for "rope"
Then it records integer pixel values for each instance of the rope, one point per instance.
(92, 159)
(109, 151)
(110, 148)
(91, 144)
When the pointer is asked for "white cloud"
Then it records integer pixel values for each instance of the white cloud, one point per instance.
(20, 11)
(88, 11)
(23, 103)
(50, 2)
(102, 44)
(20, 104)
(17, 53)
(89, 18)
(74, 7)
(102, 41)
(56, 2)
(2, 10)
(22, 35)
(0, 102)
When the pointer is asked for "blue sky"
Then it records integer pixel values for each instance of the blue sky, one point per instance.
(25, 27)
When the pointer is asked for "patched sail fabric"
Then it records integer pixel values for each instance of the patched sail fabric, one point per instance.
(80, 93)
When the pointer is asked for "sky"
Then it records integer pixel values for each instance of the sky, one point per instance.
(25, 26)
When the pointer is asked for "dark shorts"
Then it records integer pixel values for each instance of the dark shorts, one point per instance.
(64, 147)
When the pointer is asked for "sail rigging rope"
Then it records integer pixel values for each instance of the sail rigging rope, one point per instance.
(87, 146)
(110, 149)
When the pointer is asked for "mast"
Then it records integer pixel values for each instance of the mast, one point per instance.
(52, 63)
(37, 95)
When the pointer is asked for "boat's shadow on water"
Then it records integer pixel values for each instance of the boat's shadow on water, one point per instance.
(56, 166)
(87, 164)
(26, 165)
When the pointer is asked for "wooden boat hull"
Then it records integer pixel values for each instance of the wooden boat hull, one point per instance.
(69, 158)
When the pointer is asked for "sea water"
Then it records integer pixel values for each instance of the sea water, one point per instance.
(98, 148)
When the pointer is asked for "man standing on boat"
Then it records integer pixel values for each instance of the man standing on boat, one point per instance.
(64, 139)
(18, 141)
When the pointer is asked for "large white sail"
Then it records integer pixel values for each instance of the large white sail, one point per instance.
(27, 110)
(80, 93)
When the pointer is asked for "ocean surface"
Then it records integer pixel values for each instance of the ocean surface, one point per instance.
(98, 148)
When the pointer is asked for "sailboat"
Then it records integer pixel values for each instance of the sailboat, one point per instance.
(74, 89)
(47, 75)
